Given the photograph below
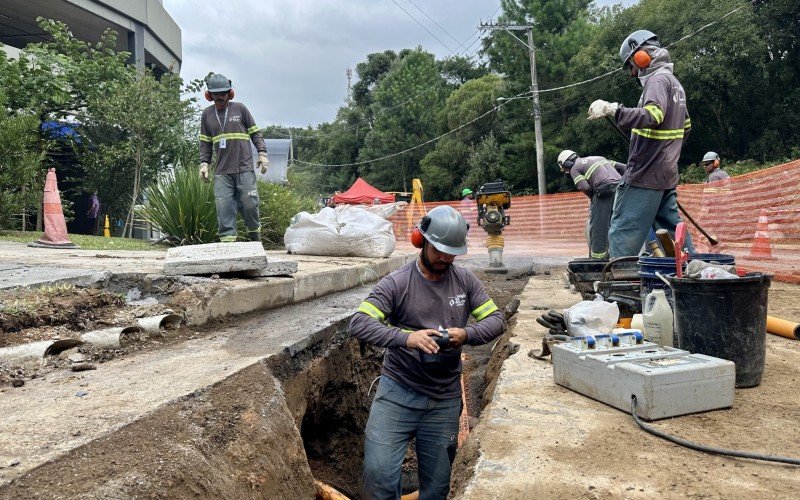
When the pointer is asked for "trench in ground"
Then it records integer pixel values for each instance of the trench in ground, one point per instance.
(329, 389)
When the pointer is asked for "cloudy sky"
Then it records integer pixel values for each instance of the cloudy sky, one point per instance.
(288, 60)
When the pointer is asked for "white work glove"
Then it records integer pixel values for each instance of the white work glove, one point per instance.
(263, 162)
(601, 108)
(204, 171)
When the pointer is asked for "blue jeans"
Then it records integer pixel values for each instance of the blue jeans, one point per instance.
(397, 415)
(232, 193)
(636, 210)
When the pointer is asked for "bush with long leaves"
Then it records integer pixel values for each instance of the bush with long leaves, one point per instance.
(182, 207)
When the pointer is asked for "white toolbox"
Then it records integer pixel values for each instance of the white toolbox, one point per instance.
(667, 382)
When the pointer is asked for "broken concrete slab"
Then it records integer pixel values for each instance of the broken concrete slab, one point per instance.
(215, 258)
(275, 267)
(14, 276)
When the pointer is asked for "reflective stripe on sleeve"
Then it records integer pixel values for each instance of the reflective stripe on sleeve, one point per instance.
(252, 130)
(655, 112)
(579, 178)
(371, 310)
(205, 138)
(484, 310)
(687, 124)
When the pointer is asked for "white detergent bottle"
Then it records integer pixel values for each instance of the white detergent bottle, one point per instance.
(657, 318)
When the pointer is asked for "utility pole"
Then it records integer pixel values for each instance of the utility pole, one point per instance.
(537, 112)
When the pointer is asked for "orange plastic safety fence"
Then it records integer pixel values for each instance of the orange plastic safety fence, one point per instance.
(755, 217)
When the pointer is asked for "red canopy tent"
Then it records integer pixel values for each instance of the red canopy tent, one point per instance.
(361, 192)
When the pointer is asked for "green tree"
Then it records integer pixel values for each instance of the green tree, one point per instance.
(443, 169)
(560, 31)
(20, 165)
(403, 126)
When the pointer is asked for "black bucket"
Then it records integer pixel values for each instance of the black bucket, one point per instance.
(724, 318)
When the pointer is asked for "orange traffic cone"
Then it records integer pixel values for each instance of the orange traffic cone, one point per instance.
(761, 248)
(55, 227)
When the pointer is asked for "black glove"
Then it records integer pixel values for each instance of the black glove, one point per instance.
(554, 322)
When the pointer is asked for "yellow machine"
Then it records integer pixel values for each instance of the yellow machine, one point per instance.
(493, 200)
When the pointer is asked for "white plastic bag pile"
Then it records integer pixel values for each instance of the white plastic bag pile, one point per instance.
(346, 231)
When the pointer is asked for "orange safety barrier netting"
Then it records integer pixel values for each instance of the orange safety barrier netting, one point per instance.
(755, 217)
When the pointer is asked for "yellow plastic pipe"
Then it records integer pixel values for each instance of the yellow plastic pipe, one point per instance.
(784, 328)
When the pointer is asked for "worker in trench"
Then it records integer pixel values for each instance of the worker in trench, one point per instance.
(710, 164)
(646, 196)
(597, 178)
(419, 313)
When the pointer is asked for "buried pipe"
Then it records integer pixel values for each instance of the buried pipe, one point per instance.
(36, 351)
(154, 324)
(108, 338)
(328, 492)
(782, 327)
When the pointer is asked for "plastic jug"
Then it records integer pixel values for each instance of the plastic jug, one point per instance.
(657, 318)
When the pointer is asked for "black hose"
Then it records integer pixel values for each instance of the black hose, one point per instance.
(707, 449)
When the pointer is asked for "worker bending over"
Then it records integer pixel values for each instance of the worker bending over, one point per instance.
(597, 178)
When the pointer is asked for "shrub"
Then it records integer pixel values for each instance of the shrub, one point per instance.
(182, 206)
(279, 203)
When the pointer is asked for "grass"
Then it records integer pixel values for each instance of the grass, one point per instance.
(84, 241)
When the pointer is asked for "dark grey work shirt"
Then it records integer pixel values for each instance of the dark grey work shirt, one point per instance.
(658, 126)
(405, 301)
(238, 130)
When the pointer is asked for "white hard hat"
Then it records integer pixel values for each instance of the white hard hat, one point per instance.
(566, 155)
(710, 156)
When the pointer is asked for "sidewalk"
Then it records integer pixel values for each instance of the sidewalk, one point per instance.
(49, 417)
(208, 298)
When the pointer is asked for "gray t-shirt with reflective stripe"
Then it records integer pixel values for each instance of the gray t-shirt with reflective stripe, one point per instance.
(592, 172)
(406, 301)
(238, 130)
(658, 127)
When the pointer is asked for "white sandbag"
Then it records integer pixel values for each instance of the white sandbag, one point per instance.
(385, 210)
(347, 231)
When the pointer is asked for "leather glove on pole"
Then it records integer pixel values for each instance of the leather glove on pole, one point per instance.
(204, 171)
(263, 162)
(601, 108)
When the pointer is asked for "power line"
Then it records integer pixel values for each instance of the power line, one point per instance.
(423, 26)
(515, 97)
(433, 20)
(407, 150)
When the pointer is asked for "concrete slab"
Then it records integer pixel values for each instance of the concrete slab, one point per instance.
(275, 267)
(49, 417)
(215, 258)
(13, 276)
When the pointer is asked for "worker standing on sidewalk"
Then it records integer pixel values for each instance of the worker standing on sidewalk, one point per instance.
(419, 394)
(226, 129)
(646, 197)
(597, 178)
(710, 163)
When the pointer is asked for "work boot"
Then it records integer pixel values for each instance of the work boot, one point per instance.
(254, 235)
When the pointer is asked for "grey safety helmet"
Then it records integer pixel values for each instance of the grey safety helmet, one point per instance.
(635, 41)
(709, 157)
(446, 230)
(218, 83)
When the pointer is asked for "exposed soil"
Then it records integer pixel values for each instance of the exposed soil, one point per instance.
(23, 310)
